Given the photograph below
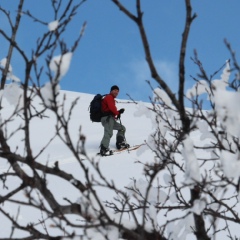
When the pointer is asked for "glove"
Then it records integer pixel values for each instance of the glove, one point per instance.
(121, 110)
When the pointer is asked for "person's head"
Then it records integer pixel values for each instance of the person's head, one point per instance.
(114, 90)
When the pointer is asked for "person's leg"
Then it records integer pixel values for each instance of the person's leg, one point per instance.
(120, 137)
(108, 123)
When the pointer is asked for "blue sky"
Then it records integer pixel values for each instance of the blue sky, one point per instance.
(111, 51)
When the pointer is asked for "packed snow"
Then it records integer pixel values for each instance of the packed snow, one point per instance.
(10, 75)
(52, 26)
(60, 65)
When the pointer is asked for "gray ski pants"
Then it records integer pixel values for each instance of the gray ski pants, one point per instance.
(110, 124)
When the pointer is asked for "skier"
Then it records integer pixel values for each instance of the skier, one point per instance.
(109, 116)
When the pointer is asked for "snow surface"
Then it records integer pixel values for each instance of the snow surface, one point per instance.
(119, 168)
(122, 168)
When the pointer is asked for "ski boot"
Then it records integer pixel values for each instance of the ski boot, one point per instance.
(105, 151)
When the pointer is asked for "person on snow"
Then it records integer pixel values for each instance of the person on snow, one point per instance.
(109, 116)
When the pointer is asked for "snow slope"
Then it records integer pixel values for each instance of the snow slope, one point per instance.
(121, 168)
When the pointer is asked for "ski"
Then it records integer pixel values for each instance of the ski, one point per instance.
(131, 148)
(118, 151)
